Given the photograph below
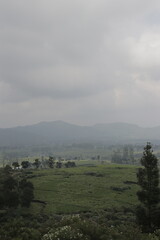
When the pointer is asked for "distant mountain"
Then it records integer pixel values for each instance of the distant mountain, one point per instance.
(60, 132)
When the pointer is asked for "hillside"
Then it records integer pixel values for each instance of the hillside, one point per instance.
(59, 132)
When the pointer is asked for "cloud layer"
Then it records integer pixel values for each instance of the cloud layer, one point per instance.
(79, 61)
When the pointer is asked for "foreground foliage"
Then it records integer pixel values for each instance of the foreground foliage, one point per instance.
(72, 227)
(15, 190)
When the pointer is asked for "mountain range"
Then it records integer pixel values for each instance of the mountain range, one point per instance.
(59, 132)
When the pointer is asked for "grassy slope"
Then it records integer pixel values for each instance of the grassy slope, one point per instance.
(75, 190)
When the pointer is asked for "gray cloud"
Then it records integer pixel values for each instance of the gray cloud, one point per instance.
(79, 61)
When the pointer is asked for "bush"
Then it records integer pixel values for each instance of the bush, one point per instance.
(16, 229)
(74, 227)
(65, 233)
(155, 235)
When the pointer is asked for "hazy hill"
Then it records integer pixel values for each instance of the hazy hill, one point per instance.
(62, 132)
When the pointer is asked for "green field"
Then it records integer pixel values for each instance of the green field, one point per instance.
(85, 188)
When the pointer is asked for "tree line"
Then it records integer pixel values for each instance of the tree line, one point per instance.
(44, 163)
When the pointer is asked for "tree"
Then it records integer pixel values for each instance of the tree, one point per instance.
(51, 162)
(58, 164)
(149, 195)
(116, 157)
(70, 164)
(15, 190)
(125, 154)
(37, 163)
(131, 154)
(26, 192)
(7, 169)
(10, 191)
(25, 164)
(15, 165)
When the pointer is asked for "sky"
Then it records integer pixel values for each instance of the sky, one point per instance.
(80, 61)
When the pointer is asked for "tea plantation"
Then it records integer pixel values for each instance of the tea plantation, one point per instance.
(84, 188)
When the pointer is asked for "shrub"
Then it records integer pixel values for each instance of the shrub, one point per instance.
(74, 227)
(65, 233)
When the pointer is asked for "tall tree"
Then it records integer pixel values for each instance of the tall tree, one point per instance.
(149, 195)
(10, 191)
(51, 162)
(37, 163)
(15, 190)
(26, 192)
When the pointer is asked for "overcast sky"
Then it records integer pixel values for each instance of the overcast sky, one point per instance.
(80, 61)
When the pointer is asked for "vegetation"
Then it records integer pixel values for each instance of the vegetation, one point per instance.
(74, 152)
(148, 212)
(15, 190)
(81, 199)
(124, 155)
(85, 188)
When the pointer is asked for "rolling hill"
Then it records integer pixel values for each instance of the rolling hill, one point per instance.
(59, 132)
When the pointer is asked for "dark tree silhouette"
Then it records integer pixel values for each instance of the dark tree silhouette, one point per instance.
(25, 164)
(15, 190)
(58, 164)
(149, 195)
(51, 162)
(70, 164)
(26, 192)
(10, 192)
(37, 163)
(15, 165)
